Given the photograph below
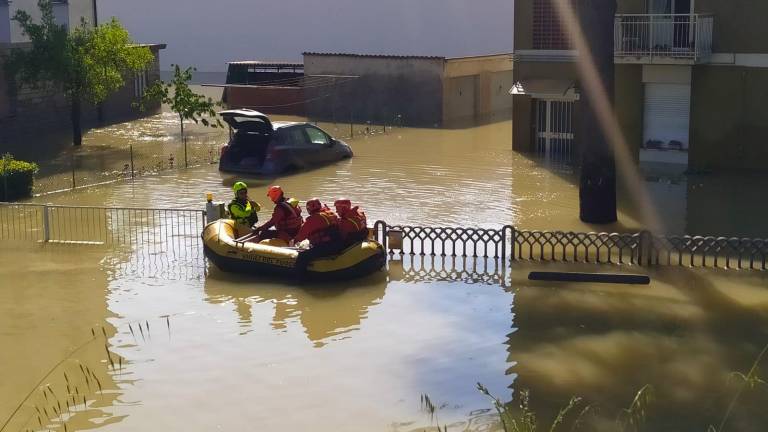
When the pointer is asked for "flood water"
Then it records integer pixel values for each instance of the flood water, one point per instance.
(199, 349)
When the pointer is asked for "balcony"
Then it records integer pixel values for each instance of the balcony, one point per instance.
(663, 39)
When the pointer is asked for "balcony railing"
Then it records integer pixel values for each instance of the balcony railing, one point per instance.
(654, 38)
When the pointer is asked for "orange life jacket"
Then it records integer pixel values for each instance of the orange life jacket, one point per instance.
(327, 230)
(291, 221)
(353, 221)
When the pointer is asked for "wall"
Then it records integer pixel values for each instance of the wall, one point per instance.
(632, 6)
(729, 118)
(476, 90)
(522, 124)
(269, 100)
(523, 25)
(80, 10)
(739, 25)
(5, 22)
(387, 86)
(629, 101)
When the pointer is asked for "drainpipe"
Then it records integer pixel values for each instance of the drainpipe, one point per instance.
(95, 14)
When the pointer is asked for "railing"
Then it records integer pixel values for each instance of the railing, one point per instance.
(509, 243)
(154, 231)
(160, 233)
(656, 38)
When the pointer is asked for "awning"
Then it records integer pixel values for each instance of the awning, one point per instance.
(546, 89)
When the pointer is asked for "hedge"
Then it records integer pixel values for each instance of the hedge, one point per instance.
(16, 178)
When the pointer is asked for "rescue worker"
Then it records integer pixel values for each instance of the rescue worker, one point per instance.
(322, 230)
(243, 210)
(286, 218)
(353, 225)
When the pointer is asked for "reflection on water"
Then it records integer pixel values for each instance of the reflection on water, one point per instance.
(685, 335)
(326, 312)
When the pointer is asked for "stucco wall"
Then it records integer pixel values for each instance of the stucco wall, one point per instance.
(476, 90)
(523, 25)
(739, 25)
(522, 124)
(729, 118)
(388, 86)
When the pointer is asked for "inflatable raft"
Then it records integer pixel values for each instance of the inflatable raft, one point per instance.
(230, 255)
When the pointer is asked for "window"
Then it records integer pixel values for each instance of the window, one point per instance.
(296, 136)
(548, 31)
(316, 136)
(139, 84)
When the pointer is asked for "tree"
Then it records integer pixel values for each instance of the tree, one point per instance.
(87, 64)
(597, 184)
(187, 104)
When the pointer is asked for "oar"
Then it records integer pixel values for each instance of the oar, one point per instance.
(247, 237)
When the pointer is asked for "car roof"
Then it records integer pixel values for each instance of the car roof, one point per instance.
(285, 124)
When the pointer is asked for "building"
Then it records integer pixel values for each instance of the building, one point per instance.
(690, 89)
(267, 86)
(26, 112)
(409, 90)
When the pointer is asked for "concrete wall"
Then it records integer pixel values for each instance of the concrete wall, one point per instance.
(523, 25)
(269, 100)
(729, 118)
(629, 102)
(632, 6)
(523, 126)
(5, 22)
(739, 25)
(80, 10)
(476, 90)
(411, 87)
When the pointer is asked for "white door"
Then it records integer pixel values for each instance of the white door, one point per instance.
(667, 115)
(554, 129)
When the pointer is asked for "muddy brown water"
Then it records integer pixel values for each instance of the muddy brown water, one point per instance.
(199, 349)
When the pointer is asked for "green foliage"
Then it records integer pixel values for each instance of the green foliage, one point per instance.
(87, 63)
(187, 104)
(16, 178)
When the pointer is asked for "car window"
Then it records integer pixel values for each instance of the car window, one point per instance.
(296, 136)
(316, 136)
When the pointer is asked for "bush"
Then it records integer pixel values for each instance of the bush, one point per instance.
(16, 178)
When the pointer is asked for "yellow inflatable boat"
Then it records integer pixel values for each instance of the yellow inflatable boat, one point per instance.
(228, 254)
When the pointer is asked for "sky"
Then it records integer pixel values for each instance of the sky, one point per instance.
(208, 33)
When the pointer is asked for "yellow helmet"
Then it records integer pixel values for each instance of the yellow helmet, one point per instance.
(239, 186)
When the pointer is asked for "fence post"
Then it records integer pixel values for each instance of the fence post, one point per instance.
(132, 171)
(73, 171)
(46, 225)
(644, 248)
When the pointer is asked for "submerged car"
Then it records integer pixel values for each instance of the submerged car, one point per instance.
(260, 147)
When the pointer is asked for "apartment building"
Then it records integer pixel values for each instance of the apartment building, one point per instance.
(691, 80)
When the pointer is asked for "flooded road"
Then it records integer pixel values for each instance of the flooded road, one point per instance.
(198, 349)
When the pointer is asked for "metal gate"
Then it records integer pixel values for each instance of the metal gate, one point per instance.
(554, 129)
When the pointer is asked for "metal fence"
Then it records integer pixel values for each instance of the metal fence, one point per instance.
(686, 36)
(176, 232)
(511, 244)
(155, 232)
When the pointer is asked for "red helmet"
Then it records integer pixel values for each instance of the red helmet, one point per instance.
(314, 205)
(275, 193)
(342, 204)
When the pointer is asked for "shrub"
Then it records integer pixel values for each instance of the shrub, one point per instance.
(16, 178)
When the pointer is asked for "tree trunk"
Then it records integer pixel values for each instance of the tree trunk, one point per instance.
(181, 122)
(77, 129)
(597, 185)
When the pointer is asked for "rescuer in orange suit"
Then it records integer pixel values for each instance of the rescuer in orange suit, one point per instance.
(286, 217)
(322, 230)
(353, 225)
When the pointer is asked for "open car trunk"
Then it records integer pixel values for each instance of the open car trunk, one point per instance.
(253, 133)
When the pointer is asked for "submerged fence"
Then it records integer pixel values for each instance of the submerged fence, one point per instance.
(176, 232)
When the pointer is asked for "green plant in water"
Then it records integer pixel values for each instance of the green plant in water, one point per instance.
(749, 381)
(633, 418)
(525, 420)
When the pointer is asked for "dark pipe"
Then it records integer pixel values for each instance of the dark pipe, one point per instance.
(613, 278)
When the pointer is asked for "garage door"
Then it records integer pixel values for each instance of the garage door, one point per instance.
(667, 113)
